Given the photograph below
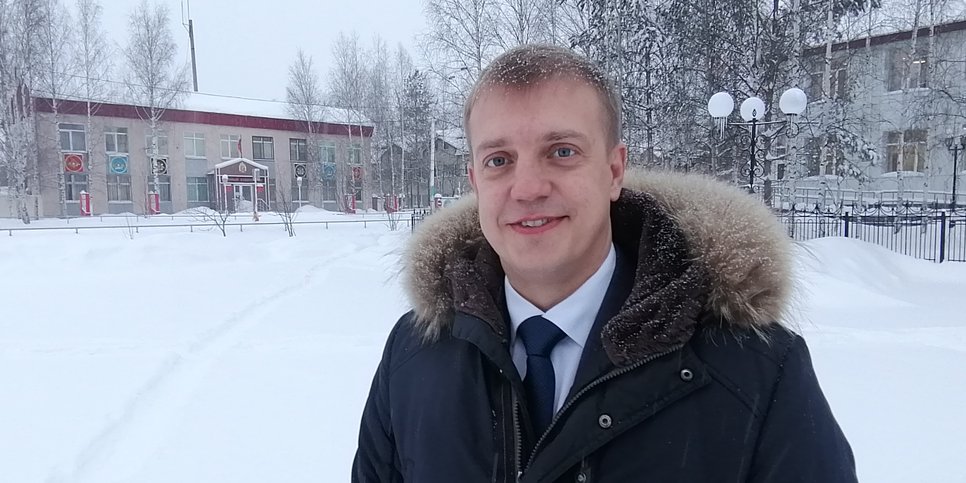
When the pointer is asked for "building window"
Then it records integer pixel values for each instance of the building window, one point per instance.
(298, 150)
(327, 153)
(72, 138)
(230, 146)
(906, 150)
(198, 189)
(909, 70)
(163, 188)
(194, 145)
(838, 81)
(118, 187)
(263, 147)
(162, 143)
(355, 154)
(825, 155)
(116, 140)
(75, 183)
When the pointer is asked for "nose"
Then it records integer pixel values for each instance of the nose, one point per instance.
(531, 181)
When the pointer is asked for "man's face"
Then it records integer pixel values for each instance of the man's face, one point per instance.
(545, 175)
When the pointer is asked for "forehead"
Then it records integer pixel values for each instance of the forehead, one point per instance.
(551, 105)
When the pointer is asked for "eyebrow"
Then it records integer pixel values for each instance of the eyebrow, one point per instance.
(549, 137)
(565, 134)
(490, 144)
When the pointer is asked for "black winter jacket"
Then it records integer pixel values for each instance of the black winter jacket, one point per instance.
(685, 376)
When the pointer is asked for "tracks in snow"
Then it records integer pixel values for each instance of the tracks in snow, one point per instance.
(128, 438)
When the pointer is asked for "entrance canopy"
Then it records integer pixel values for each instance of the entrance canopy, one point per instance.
(238, 167)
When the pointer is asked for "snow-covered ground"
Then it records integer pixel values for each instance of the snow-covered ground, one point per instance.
(183, 355)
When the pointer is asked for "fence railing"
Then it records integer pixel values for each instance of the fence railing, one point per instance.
(937, 236)
(136, 228)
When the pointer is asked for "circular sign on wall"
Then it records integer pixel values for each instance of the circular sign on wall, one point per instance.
(300, 170)
(73, 163)
(328, 171)
(118, 164)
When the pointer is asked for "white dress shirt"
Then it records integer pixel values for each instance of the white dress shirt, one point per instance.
(574, 315)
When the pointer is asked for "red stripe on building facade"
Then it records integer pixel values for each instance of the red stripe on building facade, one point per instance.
(201, 117)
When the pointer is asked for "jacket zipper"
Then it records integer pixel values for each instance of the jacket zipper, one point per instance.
(517, 436)
(570, 402)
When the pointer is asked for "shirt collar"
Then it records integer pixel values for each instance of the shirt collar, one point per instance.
(574, 315)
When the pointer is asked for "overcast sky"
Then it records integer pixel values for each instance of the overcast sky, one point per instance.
(244, 47)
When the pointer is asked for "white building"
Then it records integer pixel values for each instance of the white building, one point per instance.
(207, 155)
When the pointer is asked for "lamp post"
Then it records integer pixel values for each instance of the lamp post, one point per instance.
(224, 190)
(721, 105)
(298, 181)
(956, 148)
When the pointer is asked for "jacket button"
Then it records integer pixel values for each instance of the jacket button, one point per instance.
(687, 375)
(581, 477)
(604, 421)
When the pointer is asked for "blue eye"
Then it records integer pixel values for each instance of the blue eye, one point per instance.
(495, 161)
(564, 152)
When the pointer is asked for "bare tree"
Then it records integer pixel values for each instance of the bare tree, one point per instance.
(93, 61)
(20, 24)
(304, 97)
(287, 211)
(155, 82)
(346, 79)
(55, 79)
(463, 38)
(523, 22)
(378, 94)
(217, 218)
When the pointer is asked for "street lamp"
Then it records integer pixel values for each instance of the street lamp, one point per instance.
(224, 190)
(956, 148)
(721, 105)
(298, 181)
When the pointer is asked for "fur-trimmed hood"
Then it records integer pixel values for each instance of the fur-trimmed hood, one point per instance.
(704, 251)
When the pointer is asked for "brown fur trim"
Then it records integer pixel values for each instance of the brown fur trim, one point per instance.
(730, 257)
(736, 237)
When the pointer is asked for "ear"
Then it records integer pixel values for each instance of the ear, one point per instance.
(472, 174)
(618, 165)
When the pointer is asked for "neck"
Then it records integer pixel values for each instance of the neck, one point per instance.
(548, 288)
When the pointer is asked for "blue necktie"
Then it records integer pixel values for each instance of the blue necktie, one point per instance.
(539, 336)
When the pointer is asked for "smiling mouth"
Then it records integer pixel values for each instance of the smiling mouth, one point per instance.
(535, 223)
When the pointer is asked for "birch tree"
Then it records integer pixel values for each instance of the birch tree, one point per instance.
(93, 62)
(378, 108)
(304, 97)
(20, 24)
(346, 80)
(155, 82)
(56, 78)
(463, 37)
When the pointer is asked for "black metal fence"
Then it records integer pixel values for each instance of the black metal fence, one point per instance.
(417, 217)
(930, 235)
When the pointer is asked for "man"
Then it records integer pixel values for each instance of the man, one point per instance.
(573, 324)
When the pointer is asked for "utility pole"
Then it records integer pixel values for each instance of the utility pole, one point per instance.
(191, 41)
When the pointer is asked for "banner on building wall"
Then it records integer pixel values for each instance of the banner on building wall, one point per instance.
(159, 166)
(328, 171)
(118, 164)
(74, 163)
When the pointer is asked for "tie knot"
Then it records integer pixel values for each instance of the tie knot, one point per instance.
(539, 335)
